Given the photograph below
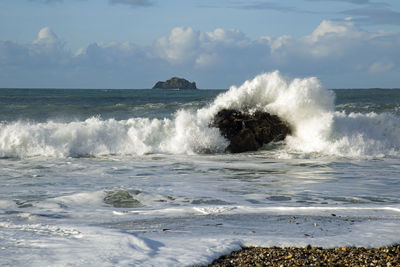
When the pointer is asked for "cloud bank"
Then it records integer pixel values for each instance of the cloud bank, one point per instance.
(338, 52)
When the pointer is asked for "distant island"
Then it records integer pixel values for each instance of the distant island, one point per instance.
(175, 83)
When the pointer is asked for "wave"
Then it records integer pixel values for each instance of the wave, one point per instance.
(97, 137)
(393, 108)
(304, 103)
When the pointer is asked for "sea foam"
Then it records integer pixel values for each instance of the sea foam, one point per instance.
(304, 103)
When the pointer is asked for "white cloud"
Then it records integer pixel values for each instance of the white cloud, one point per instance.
(329, 28)
(279, 42)
(47, 40)
(202, 49)
(219, 35)
(338, 52)
(329, 40)
(179, 47)
(332, 39)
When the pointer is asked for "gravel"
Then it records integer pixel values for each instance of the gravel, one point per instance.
(312, 256)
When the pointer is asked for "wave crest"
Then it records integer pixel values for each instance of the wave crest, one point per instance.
(304, 103)
(96, 137)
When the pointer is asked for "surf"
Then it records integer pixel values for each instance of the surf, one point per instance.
(318, 129)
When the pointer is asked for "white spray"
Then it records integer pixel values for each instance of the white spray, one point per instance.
(304, 103)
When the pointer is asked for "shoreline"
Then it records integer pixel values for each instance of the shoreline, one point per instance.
(311, 256)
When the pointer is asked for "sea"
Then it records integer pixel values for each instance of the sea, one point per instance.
(139, 177)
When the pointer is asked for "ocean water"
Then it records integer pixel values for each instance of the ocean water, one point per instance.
(138, 178)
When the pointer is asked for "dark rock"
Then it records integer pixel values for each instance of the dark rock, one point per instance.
(121, 199)
(175, 83)
(249, 132)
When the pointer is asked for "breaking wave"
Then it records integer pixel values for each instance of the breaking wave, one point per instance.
(304, 103)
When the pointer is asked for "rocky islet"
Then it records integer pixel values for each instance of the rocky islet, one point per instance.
(175, 83)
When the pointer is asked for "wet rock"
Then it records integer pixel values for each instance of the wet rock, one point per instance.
(23, 204)
(121, 199)
(175, 83)
(249, 132)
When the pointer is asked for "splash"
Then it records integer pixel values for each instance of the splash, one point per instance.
(317, 129)
(97, 137)
(304, 103)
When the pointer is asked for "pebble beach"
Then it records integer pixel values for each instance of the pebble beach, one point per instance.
(312, 256)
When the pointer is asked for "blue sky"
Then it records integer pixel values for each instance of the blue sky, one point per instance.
(134, 43)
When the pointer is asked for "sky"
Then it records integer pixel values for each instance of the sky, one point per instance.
(216, 43)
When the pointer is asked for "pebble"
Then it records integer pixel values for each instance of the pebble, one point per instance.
(312, 256)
